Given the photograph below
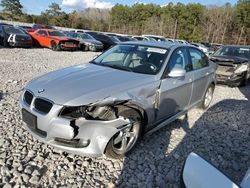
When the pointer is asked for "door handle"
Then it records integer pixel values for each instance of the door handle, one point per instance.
(207, 73)
(190, 80)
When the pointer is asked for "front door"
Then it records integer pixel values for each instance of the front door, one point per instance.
(41, 36)
(175, 93)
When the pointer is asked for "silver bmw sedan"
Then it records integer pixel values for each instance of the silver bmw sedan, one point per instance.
(105, 106)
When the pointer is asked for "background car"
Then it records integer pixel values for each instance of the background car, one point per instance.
(87, 42)
(214, 47)
(14, 36)
(201, 46)
(143, 38)
(39, 26)
(233, 65)
(54, 39)
(181, 41)
(131, 89)
(106, 40)
(157, 38)
(199, 173)
(123, 38)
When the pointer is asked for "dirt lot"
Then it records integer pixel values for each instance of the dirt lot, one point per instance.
(221, 135)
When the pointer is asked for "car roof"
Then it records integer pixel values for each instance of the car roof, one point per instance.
(50, 30)
(156, 44)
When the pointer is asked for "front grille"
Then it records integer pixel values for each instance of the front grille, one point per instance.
(42, 105)
(22, 38)
(28, 97)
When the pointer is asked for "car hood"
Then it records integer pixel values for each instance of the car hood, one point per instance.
(20, 36)
(62, 38)
(91, 41)
(228, 59)
(85, 84)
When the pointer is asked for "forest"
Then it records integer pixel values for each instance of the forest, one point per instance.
(227, 24)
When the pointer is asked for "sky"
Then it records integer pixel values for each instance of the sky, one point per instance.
(37, 6)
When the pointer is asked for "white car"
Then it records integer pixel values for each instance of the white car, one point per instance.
(201, 47)
(198, 173)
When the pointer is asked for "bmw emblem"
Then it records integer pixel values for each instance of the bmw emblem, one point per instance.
(41, 90)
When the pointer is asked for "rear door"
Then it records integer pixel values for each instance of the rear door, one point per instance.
(201, 70)
(175, 93)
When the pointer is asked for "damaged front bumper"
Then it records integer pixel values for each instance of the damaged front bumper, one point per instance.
(78, 136)
(232, 80)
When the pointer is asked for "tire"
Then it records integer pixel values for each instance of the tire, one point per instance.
(54, 46)
(5, 44)
(208, 97)
(86, 48)
(125, 140)
(245, 81)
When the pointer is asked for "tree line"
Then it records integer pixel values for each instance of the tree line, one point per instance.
(228, 24)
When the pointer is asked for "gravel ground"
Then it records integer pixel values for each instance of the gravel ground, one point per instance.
(221, 135)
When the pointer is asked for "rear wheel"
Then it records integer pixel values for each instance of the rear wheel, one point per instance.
(125, 140)
(208, 97)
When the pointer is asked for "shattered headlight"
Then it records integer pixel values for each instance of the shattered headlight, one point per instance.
(242, 68)
(72, 112)
(104, 113)
(89, 44)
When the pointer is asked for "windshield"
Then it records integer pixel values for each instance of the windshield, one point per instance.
(234, 51)
(56, 33)
(134, 58)
(13, 30)
(114, 38)
(85, 36)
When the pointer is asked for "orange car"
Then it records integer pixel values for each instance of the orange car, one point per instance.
(54, 39)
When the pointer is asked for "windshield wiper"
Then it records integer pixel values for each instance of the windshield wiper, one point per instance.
(93, 62)
(118, 67)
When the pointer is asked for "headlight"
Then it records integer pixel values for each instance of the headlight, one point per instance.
(88, 43)
(242, 68)
(73, 112)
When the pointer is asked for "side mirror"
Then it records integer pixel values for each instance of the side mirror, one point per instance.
(198, 173)
(177, 73)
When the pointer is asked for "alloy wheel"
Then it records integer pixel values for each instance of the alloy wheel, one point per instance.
(126, 138)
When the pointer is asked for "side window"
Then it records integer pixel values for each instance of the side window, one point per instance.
(42, 32)
(98, 37)
(1, 30)
(104, 38)
(70, 35)
(198, 58)
(179, 59)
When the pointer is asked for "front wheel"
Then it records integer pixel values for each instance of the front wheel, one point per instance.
(5, 43)
(207, 97)
(54, 46)
(125, 140)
